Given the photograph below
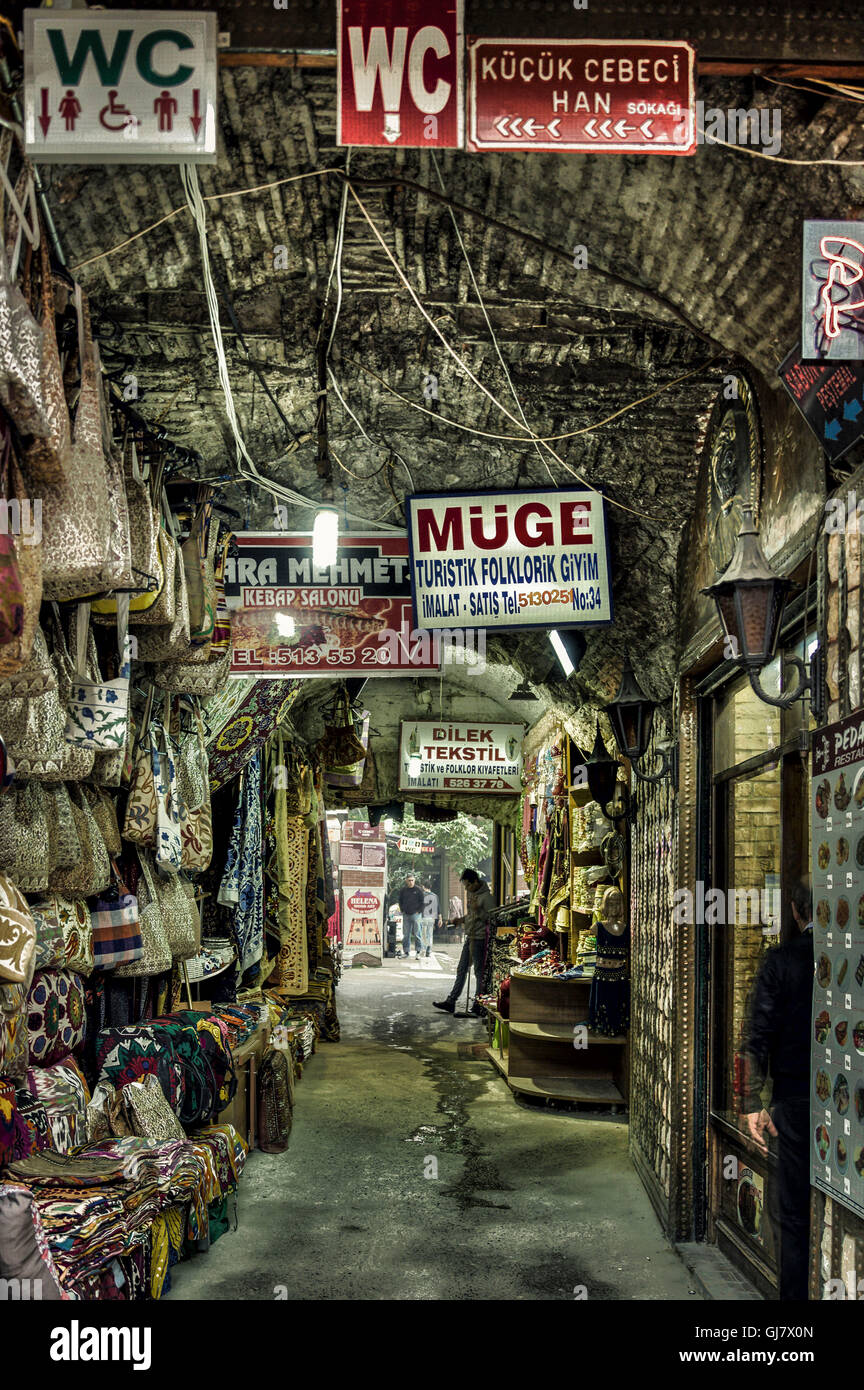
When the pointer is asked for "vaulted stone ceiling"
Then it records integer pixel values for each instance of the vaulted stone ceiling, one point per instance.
(692, 265)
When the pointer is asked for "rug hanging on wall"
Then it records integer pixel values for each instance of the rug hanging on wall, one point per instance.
(245, 725)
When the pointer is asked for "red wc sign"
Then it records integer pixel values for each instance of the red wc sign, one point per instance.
(400, 73)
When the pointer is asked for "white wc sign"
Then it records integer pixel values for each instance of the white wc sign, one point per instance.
(400, 73)
(120, 86)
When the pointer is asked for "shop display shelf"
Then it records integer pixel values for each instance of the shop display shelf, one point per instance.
(562, 1032)
(499, 1060)
(589, 1090)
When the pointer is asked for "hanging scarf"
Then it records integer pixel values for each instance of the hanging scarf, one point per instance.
(291, 972)
(242, 885)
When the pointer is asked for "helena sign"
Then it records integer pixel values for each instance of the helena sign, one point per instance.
(595, 95)
(400, 73)
(509, 559)
(120, 86)
(465, 757)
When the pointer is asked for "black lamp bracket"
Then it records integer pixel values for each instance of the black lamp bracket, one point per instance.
(803, 685)
(668, 754)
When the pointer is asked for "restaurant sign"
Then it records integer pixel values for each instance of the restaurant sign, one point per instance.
(509, 559)
(120, 86)
(837, 1022)
(353, 618)
(465, 757)
(599, 96)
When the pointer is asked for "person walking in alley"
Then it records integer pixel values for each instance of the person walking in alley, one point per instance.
(431, 919)
(778, 1042)
(479, 903)
(411, 906)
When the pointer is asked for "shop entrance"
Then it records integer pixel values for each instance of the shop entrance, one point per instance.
(759, 848)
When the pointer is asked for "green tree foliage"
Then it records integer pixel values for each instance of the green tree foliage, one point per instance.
(467, 841)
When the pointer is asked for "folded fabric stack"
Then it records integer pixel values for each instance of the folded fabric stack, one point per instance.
(63, 1092)
(546, 962)
(107, 1199)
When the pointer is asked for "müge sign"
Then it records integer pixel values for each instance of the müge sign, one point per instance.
(514, 559)
(120, 86)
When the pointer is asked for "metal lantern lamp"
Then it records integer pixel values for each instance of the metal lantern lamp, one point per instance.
(602, 774)
(750, 600)
(631, 715)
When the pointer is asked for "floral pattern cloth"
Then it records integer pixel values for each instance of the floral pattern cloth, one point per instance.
(169, 808)
(55, 1015)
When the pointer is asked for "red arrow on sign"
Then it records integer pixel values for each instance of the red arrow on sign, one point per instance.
(196, 117)
(44, 119)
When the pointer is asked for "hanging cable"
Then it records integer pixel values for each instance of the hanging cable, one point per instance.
(482, 304)
(245, 464)
(622, 506)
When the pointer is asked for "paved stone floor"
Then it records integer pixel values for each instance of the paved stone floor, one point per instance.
(413, 1173)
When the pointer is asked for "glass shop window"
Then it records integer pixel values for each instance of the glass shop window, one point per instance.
(760, 846)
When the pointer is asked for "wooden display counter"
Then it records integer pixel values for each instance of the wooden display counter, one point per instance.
(541, 1060)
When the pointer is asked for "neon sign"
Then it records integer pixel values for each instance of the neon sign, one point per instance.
(833, 265)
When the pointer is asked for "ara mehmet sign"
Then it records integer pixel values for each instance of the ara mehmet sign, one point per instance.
(120, 86)
(509, 559)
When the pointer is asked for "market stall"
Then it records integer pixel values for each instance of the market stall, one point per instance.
(165, 967)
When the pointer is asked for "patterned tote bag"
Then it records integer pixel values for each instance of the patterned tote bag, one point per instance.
(98, 711)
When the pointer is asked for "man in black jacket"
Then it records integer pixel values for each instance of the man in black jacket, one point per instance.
(778, 1041)
(411, 905)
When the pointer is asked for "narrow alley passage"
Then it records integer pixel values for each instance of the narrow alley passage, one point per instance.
(528, 1203)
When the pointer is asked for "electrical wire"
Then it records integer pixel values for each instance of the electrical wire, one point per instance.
(543, 439)
(776, 158)
(245, 464)
(467, 370)
(482, 304)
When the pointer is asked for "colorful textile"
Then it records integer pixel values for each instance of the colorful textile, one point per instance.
(291, 864)
(14, 1050)
(31, 1113)
(242, 883)
(63, 1092)
(55, 1015)
(168, 1236)
(248, 726)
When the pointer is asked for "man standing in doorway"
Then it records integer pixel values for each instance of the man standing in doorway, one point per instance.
(411, 906)
(778, 1042)
(476, 921)
(431, 919)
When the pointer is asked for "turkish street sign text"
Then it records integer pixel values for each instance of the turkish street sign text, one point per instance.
(463, 756)
(120, 86)
(399, 73)
(635, 96)
(830, 396)
(509, 559)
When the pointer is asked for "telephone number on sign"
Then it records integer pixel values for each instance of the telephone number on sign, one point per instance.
(580, 599)
(310, 656)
